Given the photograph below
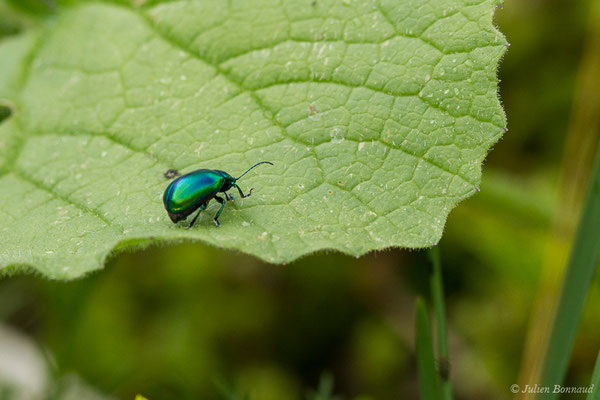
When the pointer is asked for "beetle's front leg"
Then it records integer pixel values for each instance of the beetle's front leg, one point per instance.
(228, 197)
(242, 195)
(216, 219)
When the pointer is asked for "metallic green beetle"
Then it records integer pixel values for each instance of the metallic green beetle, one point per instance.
(194, 190)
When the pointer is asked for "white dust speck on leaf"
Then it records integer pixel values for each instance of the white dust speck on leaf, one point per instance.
(336, 135)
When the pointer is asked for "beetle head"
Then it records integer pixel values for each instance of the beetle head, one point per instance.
(176, 217)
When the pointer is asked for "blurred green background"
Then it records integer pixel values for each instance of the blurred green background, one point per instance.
(194, 322)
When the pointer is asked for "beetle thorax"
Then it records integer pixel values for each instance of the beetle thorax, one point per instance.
(229, 180)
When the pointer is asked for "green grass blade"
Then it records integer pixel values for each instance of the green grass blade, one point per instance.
(578, 276)
(429, 383)
(437, 294)
(595, 383)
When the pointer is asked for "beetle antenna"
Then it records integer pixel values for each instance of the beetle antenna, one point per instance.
(258, 163)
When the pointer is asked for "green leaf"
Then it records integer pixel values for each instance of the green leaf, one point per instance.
(377, 115)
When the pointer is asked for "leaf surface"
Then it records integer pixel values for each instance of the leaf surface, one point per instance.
(376, 114)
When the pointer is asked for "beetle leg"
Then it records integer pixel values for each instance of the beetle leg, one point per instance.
(202, 207)
(219, 199)
(228, 197)
(242, 194)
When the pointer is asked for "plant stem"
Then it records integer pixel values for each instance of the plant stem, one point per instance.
(578, 276)
(437, 294)
(429, 383)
